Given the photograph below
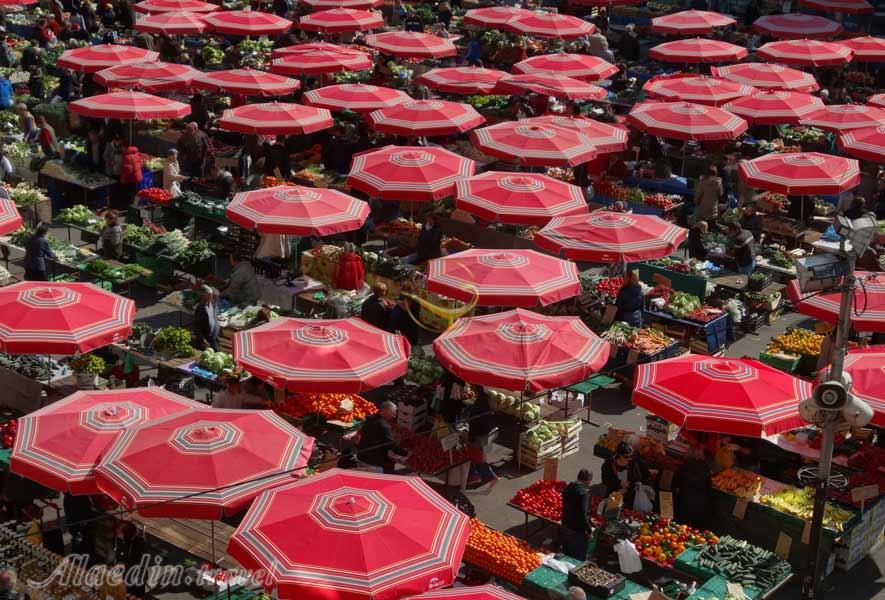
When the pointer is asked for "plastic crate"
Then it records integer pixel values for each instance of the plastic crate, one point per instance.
(595, 590)
(760, 284)
(784, 362)
(687, 562)
(752, 323)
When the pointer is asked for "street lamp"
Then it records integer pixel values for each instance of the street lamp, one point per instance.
(832, 403)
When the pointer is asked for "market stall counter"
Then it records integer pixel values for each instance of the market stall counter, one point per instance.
(709, 337)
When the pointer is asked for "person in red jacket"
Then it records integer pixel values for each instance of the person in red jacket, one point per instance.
(130, 177)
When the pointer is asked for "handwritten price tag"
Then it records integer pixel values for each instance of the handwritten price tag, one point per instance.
(740, 508)
(666, 499)
(450, 442)
(784, 542)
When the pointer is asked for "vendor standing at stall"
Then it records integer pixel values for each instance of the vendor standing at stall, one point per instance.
(708, 194)
(691, 487)
(206, 327)
(242, 288)
(576, 516)
(429, 244)
(744, 248)
(621, 471)
(36, 253)
(195, 153)
(172, 176)
(376, 310)
(630, 301)
(111, 236)
(377, 446)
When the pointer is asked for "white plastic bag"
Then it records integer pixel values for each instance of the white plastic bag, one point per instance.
(641, 501)
(628, 557)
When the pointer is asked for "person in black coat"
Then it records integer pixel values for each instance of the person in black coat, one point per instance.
(376, 439)
(576, 516)
(375, 310)
(696, 248)
(429, 244)
(630, 301)
(622, 470)
(629, 45)
(206, 327)
(482, 418)
(691, 488)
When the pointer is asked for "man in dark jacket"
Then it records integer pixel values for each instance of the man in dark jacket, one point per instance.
(576, 516)
(692, 486)
(375, 310)
(413, 22)
(36, 253)
(206, 327)
(621, 471)
(376, 439)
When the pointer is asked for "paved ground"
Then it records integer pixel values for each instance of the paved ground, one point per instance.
(611, 408)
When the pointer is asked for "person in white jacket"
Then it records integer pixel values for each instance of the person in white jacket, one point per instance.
(172, 176)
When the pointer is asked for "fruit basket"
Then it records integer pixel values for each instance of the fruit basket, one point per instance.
(595, 581)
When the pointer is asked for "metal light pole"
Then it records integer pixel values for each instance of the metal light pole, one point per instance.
(814, 570)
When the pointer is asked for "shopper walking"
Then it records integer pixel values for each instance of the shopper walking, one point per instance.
(575, 528)
(36, 253)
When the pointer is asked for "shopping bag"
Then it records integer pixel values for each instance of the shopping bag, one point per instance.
(641, 500)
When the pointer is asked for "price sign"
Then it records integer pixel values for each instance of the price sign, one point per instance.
(666, 480)
(551, 469)
(806, 533)
(735, 590)
(740, 508)
(450, 442)
(609, 315)
(863, 493)
(632, 357)
(666, 499)
(784, 542)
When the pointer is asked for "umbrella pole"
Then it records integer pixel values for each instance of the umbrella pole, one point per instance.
(684, 147)
(214, 563)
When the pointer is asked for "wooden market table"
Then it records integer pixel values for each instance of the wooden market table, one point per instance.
(194, 536)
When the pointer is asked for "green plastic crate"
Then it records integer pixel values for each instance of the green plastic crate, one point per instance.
(717, 587)
(550, 583)
(629, 589)
(784, 362)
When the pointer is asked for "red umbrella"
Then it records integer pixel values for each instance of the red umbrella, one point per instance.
(297, 210)
(796, 25)
(842, 117)
(550, 25)
(357, 97)
(311, 47)
(519, 198)
(202, 463)
(877, 100)
(246, 82)
(697, 50)
(767, 77)
(723, 395)
(425, 118)
(339, 20)
(347, 535)
(520, 349)
(867, 143)
(503, 277)
(868, 313)
(414, 173)
(17, 2)
(538, 145)
(90, 59)
(809, 53)
(494, 15)
(839, 6)
(865, 368)
(10, 219)
(247, 22)
(701, 90)
(61, 318)
(129, 106)
(476, 592)
(605, 3)
(151, 77)
(321, 61)
(686, 121)
(59, 445)
(550, 84)
(801, 173)
(462, 80)
(775, 107)
(604, 137)
(164, 6)
(578, 66)
(867, 48)
(356, 4)
(322, 355)
(608, 237)
(411, 44)
(172, 23)
(690, 22)
(275, 118)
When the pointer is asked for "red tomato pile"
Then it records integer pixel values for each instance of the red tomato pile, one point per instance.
(610, 287)
(500, 554)
(426, 454)
(659, 201)
(8, 431)
(542, 498)
(155, 195)
(327, 406)
(661, 291)
(703, 314)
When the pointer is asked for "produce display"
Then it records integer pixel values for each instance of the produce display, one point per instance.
(510, 403)
(500, 554)
(216, 362)
(137, 235)
(781, 259)
(648, 341)
(400, 232)
(174, 245)
(743, 563)
(609, 287)
(796, 342)
(25, 194)
(542, 498)
(662, 540)
(423, 368)
(772, 202)
(609, 188)
(156, 195)
(799, 502)
(704, 314)
(77, 215)
(89, 364)
(610, 440)
(677, 266)
(426, 454)
(802, 135)
(741, 483)
(175, 341)
(33, 366)
(870, 465)
(8, 432)
(346, 408)
(591, 577)
(682, 304)
(546, 431)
